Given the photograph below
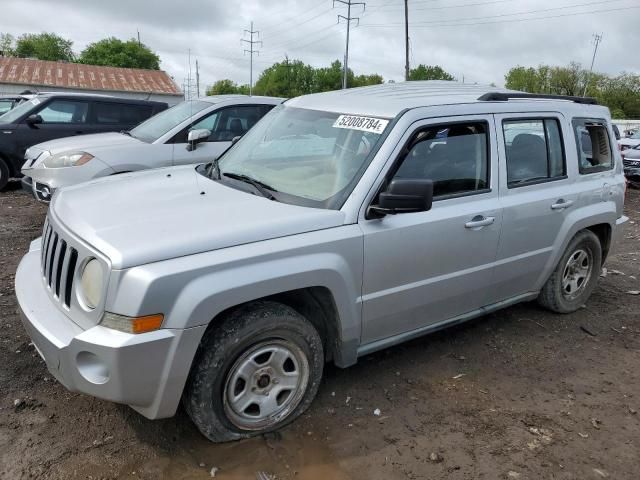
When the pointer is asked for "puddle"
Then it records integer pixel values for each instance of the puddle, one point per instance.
(281, 456)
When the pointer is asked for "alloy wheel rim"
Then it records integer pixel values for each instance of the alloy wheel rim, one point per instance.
(576, 274)
(265, 384)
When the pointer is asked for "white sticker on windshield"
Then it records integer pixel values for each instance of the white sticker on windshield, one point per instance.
(365, 124)
(35, 101)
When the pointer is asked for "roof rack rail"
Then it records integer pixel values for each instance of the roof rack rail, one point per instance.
(504, 96)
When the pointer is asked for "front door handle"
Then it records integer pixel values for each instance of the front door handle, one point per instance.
(561, 204)
(479, 221)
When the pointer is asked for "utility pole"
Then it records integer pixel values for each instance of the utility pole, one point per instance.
(348, 19)
(406, 40)
(251, 51)
(597, 38)
(139, 44)
(197, 80)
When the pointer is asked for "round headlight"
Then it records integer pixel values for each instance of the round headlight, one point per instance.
(92, 283)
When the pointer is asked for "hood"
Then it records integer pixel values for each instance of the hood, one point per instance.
(155, 215)
(628, 142)
(86, 142)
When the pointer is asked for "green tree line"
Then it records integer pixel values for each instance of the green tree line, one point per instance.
(110, 52)
(621, 93)
(291, 78)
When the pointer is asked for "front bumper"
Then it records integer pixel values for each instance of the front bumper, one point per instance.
(146, 371)
(40, 191)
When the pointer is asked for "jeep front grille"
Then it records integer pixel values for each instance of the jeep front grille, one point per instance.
(58, 265)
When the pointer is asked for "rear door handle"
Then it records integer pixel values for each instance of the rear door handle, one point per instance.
(479, 221)
(561, 204)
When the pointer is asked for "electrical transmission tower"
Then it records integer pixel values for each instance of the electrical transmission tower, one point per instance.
(251, 42)
(597, 38)
(348, 19)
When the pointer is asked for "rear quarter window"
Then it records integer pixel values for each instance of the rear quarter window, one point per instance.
(593, 144)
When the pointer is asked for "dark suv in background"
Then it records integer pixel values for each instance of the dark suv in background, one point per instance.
(56, 115)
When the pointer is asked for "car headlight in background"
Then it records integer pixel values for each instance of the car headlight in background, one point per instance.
(68, 159)
(92, 283)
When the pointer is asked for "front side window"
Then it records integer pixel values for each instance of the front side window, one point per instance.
(534, 151)
(453, 156)
(227, 123)
(64, 111)
(307, 157)
(165, 121)
(594, 146)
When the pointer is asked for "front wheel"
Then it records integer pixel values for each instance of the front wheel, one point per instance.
(255, 372)
(572, 282)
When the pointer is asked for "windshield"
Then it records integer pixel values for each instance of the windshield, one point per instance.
(13, 115)
(636, 135)
(155, 127)
(308, 157)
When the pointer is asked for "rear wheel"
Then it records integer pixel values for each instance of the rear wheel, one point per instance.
(4, 174)
(256, 372)
(572, 282)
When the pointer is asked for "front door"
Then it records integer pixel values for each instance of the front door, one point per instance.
(60, 118)
(424, 268)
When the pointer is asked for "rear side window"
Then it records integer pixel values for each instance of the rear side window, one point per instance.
(533, 150)
(593, 144)
(453, 156)
(120, 113)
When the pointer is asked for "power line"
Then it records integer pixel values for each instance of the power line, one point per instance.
(529, 12)
(251, 51)
(348, 19)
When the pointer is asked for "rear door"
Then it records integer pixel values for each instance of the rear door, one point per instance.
(421, 269)
(536, 194)
(112, 116)
(225, 124)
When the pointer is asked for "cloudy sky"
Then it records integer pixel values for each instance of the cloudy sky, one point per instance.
(477, 39)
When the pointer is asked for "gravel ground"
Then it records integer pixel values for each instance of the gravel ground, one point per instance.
(519, 394)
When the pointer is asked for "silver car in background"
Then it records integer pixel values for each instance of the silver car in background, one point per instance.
(343, 223)
(191, 132)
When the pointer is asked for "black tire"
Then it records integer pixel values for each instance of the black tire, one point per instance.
(4, 174)
(239, 334)
(553, 295)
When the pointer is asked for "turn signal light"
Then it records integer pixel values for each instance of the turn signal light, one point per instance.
(147, 323)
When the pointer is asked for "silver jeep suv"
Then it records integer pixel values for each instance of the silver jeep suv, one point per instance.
(341, 224)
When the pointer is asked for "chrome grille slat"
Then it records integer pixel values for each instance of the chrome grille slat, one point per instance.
(52, 257)
(62, 251)
(47, 257)
(70, 273)
(45, 235)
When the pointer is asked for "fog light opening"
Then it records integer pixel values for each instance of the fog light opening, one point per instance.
(92, 368)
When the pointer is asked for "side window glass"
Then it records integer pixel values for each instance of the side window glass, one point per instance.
(236, 121)
(64, 111)
(453, 156)
(534, 151)
(120, 113)
(206, 123)
(594, 146)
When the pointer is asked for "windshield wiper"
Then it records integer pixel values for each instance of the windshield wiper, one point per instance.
(125, 132)
(264, 189)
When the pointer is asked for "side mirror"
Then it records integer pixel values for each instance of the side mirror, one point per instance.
(34, 119)
(197, 136)
(404, 196)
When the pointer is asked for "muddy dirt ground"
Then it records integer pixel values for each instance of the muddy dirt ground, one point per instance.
(522, 393)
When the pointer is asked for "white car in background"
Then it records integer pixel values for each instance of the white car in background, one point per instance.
(191, 132)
